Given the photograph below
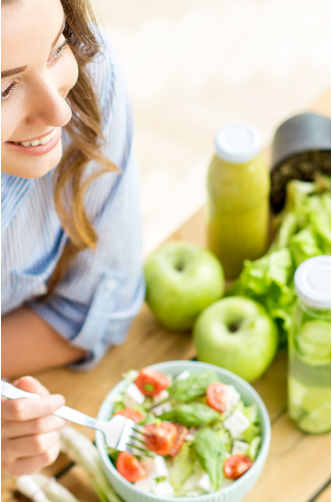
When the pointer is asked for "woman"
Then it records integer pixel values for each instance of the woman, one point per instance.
(72, 278)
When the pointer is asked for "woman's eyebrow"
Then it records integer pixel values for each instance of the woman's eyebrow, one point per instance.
(20, 69)
(14, 71)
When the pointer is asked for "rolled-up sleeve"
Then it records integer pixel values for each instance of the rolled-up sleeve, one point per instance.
(103, 289)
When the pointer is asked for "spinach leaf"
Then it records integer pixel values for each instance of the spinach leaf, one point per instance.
(191, 414)
(211, 453)
(194, 386)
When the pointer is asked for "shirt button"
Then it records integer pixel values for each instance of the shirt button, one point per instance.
(41, 290)
(110, 286)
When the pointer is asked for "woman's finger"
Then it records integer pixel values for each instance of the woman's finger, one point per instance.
(33, 464)
(30, 446)
(30, 384)
(29, 408)
(13, 429)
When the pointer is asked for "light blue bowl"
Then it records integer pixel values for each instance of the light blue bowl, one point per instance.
(234, 492)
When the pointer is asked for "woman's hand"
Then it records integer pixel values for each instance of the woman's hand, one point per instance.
(29, 430)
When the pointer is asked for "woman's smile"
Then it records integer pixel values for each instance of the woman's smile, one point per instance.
(37, 147)
(49, 133)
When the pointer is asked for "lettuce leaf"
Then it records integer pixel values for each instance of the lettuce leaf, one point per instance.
(182, 467)
(304, 231)
(304, 245)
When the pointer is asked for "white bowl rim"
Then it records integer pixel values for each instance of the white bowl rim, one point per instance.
(263, 451)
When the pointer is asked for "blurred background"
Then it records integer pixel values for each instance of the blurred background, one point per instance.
(192, 65)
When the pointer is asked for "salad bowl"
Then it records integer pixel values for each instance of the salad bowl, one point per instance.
(234, 492)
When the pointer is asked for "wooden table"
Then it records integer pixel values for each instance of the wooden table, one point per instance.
(298, 465)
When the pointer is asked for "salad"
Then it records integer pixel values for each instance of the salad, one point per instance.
(202, 434)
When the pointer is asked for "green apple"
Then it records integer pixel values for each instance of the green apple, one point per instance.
(182, 279)
(237, 334)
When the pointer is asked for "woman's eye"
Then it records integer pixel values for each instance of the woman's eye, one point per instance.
(5, 95)
(60, 50)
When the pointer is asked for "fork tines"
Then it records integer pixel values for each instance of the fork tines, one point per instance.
(140, 429)
(139, 452)
(137, 440)
(133, 440)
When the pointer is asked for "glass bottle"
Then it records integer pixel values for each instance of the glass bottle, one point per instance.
(309, 348)
(238, 198)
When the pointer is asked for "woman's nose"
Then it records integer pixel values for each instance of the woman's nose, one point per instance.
(48, 106)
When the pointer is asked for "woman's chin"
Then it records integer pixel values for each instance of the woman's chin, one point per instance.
(25, 166)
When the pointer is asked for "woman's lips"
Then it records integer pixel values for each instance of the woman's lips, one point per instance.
(33, 139)
(36, 150)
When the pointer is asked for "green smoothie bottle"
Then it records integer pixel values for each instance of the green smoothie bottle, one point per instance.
(309, 348)
(238, 198)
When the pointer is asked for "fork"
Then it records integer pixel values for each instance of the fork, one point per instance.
(120, 432)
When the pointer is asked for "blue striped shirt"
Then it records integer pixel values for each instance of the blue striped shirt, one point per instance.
(102, 291)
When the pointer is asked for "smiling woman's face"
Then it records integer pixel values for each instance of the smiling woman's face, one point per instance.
(33, 99)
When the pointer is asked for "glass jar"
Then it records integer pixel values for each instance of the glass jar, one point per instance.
(238, 188)
(309, 351)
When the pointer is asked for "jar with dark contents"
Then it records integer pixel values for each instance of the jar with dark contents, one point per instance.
(301, 149)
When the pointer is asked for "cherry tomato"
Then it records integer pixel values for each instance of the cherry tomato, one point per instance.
(236, 465)
(182, 432)
(151, 382)
(161, 438)
(129, 467)
(216, 394)
(137, 416)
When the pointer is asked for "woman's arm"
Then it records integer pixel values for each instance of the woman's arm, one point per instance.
(29, 344)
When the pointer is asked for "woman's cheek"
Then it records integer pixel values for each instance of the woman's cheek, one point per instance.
(10, 117)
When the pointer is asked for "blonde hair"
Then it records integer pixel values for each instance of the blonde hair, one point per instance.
(84, 129)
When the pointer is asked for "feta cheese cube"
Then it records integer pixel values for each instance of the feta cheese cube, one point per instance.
(145, 484)
(233, 397)
(164, 488)
(205, 483)
(150, 467)
(160, 398)
(189, 437)
(191, 434)
(133, 396)
(161, 408)
(240, 447)
(156, 467)
(236, 423)
(183, 375)
(161, 466)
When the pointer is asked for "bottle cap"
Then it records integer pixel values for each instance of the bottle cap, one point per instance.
(238, 142)
(313, 282)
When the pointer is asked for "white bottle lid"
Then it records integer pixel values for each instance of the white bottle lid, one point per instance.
(238, 142)
(313, 282)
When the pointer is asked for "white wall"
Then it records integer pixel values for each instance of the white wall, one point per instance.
(191, 66)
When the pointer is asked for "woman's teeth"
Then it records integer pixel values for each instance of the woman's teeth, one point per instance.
(37, 142)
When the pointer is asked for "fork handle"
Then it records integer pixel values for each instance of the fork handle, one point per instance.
(11, 392)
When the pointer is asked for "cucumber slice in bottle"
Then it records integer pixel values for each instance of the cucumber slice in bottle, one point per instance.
(317, 421)
(314, 342)
(316, 397)
(296, 391)
(295, 412)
